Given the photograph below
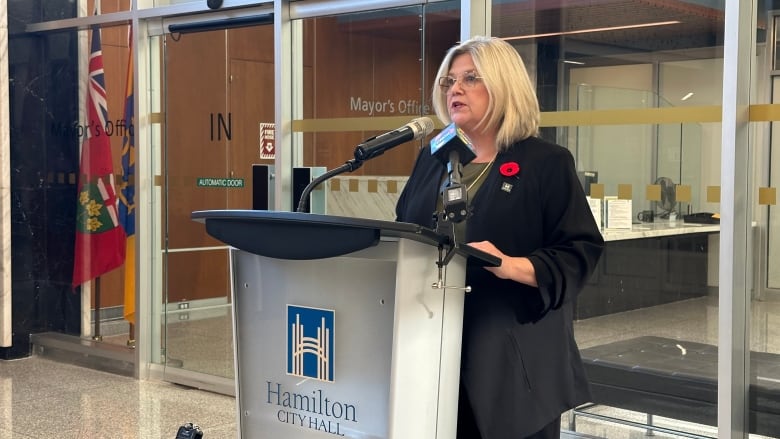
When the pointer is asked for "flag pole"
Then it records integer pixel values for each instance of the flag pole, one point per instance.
(96, 334)
(131, 337)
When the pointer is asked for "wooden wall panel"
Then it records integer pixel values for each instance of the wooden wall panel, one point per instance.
(251, 103)
(254, 43)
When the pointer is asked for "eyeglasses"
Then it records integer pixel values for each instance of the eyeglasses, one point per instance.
(467, 80)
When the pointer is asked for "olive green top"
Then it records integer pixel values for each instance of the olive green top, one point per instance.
(474, 174)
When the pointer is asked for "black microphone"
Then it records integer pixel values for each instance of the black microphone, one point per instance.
(376, 146)
(373, 147)
(453, 148)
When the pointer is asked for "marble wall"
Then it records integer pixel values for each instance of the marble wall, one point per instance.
(43, 158)
(364, 196)
(5, 190)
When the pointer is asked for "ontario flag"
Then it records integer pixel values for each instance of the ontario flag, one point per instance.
(100, 240)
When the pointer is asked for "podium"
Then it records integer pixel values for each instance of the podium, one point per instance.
(343, 326)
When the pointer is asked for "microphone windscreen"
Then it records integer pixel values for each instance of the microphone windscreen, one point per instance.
(422, 126)
(449, 139)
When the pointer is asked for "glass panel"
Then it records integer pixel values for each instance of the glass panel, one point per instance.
(685, 149)
(117, 288)
(37, 11)
(68, 128)
(43, 99)
(626, 74)
(762, 312)
(157, 3)
(764, 280)
(776, 52)
(604, 150)
(28, 12)
(376, 70)
(773, 268)
(218, 92)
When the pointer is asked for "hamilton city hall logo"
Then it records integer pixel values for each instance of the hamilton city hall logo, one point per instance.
(310, 347)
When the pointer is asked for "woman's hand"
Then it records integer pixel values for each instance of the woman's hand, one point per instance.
(516, 268)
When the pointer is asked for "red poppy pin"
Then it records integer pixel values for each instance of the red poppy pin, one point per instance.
(509, 169)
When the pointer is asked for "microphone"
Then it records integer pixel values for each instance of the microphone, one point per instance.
(453, 148)
(373, 147)
(452, 139)
(376, 146)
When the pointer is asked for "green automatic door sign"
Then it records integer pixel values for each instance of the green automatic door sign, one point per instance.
(220, 182)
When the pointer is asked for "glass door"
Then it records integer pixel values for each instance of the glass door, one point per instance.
(217, 92)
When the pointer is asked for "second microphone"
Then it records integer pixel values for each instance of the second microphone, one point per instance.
(376, 146)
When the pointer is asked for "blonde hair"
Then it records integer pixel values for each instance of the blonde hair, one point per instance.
(513, 106)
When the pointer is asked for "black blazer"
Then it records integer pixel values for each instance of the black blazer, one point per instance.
(520, 363)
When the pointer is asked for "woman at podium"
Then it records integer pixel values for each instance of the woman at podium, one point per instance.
(520, 365)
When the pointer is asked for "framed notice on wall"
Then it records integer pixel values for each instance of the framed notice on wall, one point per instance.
(267, 149)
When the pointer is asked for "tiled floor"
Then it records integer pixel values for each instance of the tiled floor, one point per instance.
(40, 398)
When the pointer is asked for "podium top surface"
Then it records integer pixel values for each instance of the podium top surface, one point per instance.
(298, 235)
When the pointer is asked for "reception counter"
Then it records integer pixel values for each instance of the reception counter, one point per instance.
(648, 265)
(658, 229)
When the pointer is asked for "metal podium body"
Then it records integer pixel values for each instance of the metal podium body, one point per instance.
(337, 328)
